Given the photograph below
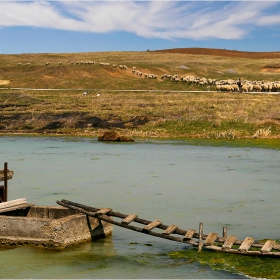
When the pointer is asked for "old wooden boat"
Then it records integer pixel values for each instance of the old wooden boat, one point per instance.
(54, 227)
(225, 243)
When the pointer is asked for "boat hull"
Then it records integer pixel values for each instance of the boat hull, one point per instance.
(52, 227)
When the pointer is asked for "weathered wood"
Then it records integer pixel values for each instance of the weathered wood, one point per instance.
(9, 173)
(275, 247)
(152, 225)
(229, 242)
(134, 228)
(247, 253)
(189, 234)
(16, 207)
(200, 243)
(130, 218)
(123, 216)
(246, 244)
(268, 246)
(225, 233)
(170, 229)
(210, 238)
(104, 211)
(12, 203)
(5, 175)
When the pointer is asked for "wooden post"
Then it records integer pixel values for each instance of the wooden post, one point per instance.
(225, 235)
(5, 192)
(200, 244)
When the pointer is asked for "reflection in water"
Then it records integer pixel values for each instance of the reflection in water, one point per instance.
(171, 181)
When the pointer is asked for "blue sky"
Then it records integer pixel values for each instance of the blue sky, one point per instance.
(93, 26)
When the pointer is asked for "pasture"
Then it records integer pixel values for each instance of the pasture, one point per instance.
(46, 96)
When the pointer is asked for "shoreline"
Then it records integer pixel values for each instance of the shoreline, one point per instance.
(265, 143)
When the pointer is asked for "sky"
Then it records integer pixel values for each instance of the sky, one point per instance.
(71, 26)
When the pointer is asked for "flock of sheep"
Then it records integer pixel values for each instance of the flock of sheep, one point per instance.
(229, 85)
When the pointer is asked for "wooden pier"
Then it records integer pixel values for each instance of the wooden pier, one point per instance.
(226, 243)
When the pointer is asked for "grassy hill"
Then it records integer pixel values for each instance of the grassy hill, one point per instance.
(60, 107)
(208, 63)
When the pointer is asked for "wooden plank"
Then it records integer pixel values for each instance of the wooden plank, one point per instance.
(9, 174)
(152, 225)
(247, 253)
(12, 203)
(229, 242)
(200, 232)
(210, 239)
(104, 211)
(114, 222)
(170, 229)
(276, 246)
(268, 245)
(189, 234)
(246, 244)
(16, 207)
(129, 219)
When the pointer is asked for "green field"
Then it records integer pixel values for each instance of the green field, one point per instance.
(48, 99)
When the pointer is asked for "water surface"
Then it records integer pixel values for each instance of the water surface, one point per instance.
(172, 181)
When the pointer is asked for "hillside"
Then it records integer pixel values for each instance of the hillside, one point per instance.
(43, 93)
(73, 70)
(223, 52)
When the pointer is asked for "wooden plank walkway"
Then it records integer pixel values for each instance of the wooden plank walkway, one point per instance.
(211, 241)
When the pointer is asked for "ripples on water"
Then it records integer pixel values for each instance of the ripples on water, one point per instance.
(172, 181)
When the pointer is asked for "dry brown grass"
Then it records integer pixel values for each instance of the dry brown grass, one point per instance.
(223, 52)
(160, 113)
(208, 115)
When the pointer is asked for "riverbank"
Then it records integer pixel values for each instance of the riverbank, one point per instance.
(161, 115)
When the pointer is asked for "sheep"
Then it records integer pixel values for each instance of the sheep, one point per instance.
(123, 67)
(47, 63)
(257, 87)
(60, 63)
(19, 64)
(85, 93)
(28, 63)
(224, 88)
(235, 87)
(245, 87)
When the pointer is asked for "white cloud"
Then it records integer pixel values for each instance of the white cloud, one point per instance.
(153, 19)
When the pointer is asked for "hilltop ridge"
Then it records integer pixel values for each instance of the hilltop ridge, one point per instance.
(221, 52)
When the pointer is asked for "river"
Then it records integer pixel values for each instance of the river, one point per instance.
(176, 182)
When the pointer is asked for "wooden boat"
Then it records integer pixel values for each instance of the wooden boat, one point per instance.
(226, 243)
(52, 227)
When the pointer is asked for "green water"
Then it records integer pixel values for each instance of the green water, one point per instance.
(177, 182)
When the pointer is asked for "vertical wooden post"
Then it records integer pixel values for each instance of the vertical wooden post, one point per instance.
(5, 192)
(225, 234)
(200, 244)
